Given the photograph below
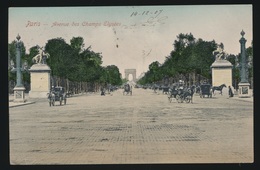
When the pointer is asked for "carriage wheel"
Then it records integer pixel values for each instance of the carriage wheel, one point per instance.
(187, 99)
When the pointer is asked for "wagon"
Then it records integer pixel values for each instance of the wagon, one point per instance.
(205, 90)
(127, 90)
(180, 95)
(57, 94)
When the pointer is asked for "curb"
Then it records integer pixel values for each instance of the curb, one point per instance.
(21, 104)
(245, 100)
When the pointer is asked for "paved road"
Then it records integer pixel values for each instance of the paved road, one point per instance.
(142, 128)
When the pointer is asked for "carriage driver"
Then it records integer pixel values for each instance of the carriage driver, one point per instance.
(181, 85)
(53, 90)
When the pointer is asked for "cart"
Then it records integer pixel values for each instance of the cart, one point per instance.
(205, 90)
(57, 94)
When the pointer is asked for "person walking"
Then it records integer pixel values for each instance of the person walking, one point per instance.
(230, 92)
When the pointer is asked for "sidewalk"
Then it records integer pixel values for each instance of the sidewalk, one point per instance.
(248, 99)
(28, 100)
(13, 104)
(16, 104)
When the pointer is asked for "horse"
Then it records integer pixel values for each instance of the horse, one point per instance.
(219, 88)
(196, 89)
(51, 98)
(165, 89)
(189, 92)
(127, 89)
(155, 87)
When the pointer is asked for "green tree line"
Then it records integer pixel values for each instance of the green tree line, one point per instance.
(190, 60)
(73, 66)
(80, 69)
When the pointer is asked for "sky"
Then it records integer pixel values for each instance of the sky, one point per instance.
(132, 37)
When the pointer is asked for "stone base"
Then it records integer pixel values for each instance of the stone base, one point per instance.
(40, 81)
(38, 94)
(19, 96)
(244, 91)
(221, 73)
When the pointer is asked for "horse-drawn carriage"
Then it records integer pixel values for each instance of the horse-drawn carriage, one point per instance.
(57, 94)
(127, 89)
(181, 94)
(205, 90)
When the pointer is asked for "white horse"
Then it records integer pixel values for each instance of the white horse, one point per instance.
(41, 57)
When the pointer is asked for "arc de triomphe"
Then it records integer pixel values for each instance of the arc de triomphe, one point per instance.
(130, 71)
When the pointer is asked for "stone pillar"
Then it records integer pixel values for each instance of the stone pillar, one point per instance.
(40, 80)
(243, 85)
(221, 73)
(19, 88)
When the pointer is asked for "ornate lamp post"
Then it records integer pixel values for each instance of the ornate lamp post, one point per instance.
(243, 84)
(19, 88)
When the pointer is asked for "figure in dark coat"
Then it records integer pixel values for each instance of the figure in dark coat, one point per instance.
(230, 92)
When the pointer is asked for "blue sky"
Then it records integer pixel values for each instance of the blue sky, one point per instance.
(138, 35)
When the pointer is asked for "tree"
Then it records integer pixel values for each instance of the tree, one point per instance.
(154, 69)
(233, 59)
(250, 57)
(113, 75)
(188, 58)
(77, 44)
(61, 60)
(92, 63)
(183, 40)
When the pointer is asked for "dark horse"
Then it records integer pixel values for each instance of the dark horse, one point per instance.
(219, 88)
(191, 92)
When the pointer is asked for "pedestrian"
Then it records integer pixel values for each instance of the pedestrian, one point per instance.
(102, 91)
(230, 92)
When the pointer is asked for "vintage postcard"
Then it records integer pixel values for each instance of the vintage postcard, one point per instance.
(162, 84)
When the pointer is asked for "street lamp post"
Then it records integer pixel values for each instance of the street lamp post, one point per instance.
(243, 84)
(19, 87)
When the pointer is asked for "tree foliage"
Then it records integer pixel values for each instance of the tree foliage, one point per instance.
(189, 56)
(71, 62)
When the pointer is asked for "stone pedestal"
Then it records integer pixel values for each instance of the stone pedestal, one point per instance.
(244, 90)
(40, 81)
(19, 96)
(221, 73)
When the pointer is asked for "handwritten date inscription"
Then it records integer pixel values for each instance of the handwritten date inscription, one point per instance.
(144, 13)
(153, 19)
